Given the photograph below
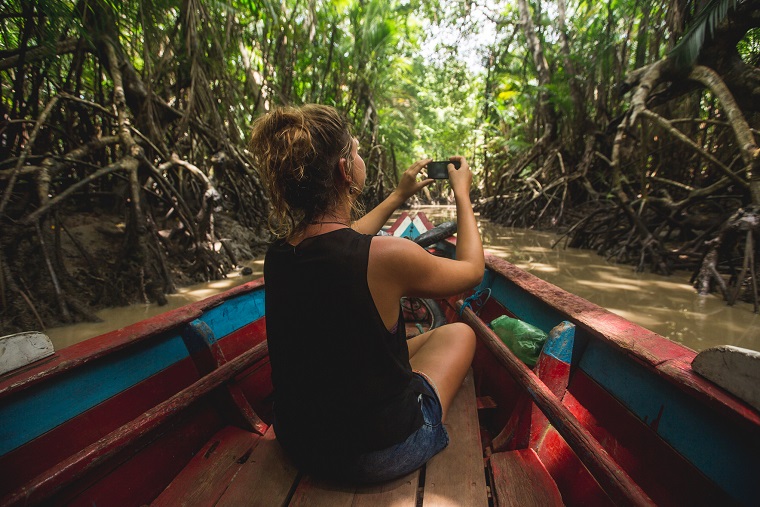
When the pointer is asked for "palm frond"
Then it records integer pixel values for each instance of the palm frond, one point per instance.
(686, 52)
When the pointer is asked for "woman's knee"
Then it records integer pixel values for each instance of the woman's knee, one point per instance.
(462, 333)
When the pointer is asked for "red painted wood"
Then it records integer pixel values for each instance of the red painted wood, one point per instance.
(256, 381)
(613, 479)
(516, 432)
(528, 424)
(90, 350)
(398, 221)
(666, 475)
(575, 482)
(48, 483)
(425, 221)
(555, 375)
(640, 344)
(26, 462)
(256, 384)
(485, 402)
(492, 379)
(133, 478)
(243, 339)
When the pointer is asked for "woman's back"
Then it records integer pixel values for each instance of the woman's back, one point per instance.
(338, 373)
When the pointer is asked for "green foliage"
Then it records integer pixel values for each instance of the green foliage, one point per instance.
(749, 47)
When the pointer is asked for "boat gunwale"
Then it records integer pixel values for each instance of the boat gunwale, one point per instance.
(669, 360)
(102, 345)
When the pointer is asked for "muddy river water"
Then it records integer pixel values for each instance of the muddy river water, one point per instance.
(666, 305)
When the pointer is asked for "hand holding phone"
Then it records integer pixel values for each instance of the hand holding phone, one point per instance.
(439, 170)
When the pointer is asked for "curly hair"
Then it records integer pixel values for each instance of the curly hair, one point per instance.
(297, 151)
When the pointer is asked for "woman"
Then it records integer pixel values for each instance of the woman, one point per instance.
(353, 398)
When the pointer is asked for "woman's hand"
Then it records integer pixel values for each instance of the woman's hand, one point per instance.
(460, 179)
(408, 184)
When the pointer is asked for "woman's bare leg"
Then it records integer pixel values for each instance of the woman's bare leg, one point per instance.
(445, 355)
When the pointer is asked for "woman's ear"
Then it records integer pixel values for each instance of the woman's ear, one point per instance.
(345, 170)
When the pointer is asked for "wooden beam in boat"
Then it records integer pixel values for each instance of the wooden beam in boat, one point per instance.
(528, 424)
(207, 355)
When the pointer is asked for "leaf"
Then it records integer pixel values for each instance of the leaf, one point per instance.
(508, 95)
(686, 52)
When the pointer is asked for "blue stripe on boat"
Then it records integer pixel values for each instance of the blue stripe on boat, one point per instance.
(235, 313)
(523, 305)
(41, 408)
(722, 452)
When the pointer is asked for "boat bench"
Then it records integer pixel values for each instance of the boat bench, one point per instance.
(237, 467)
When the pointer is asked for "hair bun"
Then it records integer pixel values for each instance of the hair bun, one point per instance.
(297, 152)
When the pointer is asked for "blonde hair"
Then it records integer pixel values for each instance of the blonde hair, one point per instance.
(297, 153)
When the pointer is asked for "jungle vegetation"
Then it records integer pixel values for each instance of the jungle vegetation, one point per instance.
(630, 126)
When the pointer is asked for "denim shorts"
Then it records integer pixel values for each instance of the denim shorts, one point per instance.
(409, 455)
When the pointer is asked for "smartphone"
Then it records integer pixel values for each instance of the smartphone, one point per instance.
(440, 170)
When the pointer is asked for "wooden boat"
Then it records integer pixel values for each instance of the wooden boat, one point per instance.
(175, 410)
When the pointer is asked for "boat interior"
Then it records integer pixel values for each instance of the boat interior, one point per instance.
(176, 410)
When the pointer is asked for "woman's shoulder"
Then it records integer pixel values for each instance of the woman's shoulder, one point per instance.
(394, 250)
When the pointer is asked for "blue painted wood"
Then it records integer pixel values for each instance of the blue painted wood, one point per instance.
(524, 305)
(559, 343)
(410, 232)
(725, 453)
(198, 337)
(235, 313)
(41, 408)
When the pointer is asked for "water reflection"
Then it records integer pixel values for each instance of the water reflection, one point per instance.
(666, 305)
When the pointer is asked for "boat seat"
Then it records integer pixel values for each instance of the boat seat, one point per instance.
(237, 467)
(521, 480)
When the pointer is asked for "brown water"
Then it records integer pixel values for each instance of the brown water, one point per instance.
(666, 305)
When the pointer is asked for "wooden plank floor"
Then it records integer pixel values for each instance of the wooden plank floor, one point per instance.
(399, 493)
(456, 477)
(265, 479)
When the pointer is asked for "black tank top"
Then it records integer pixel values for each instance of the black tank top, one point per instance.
(342, 382)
